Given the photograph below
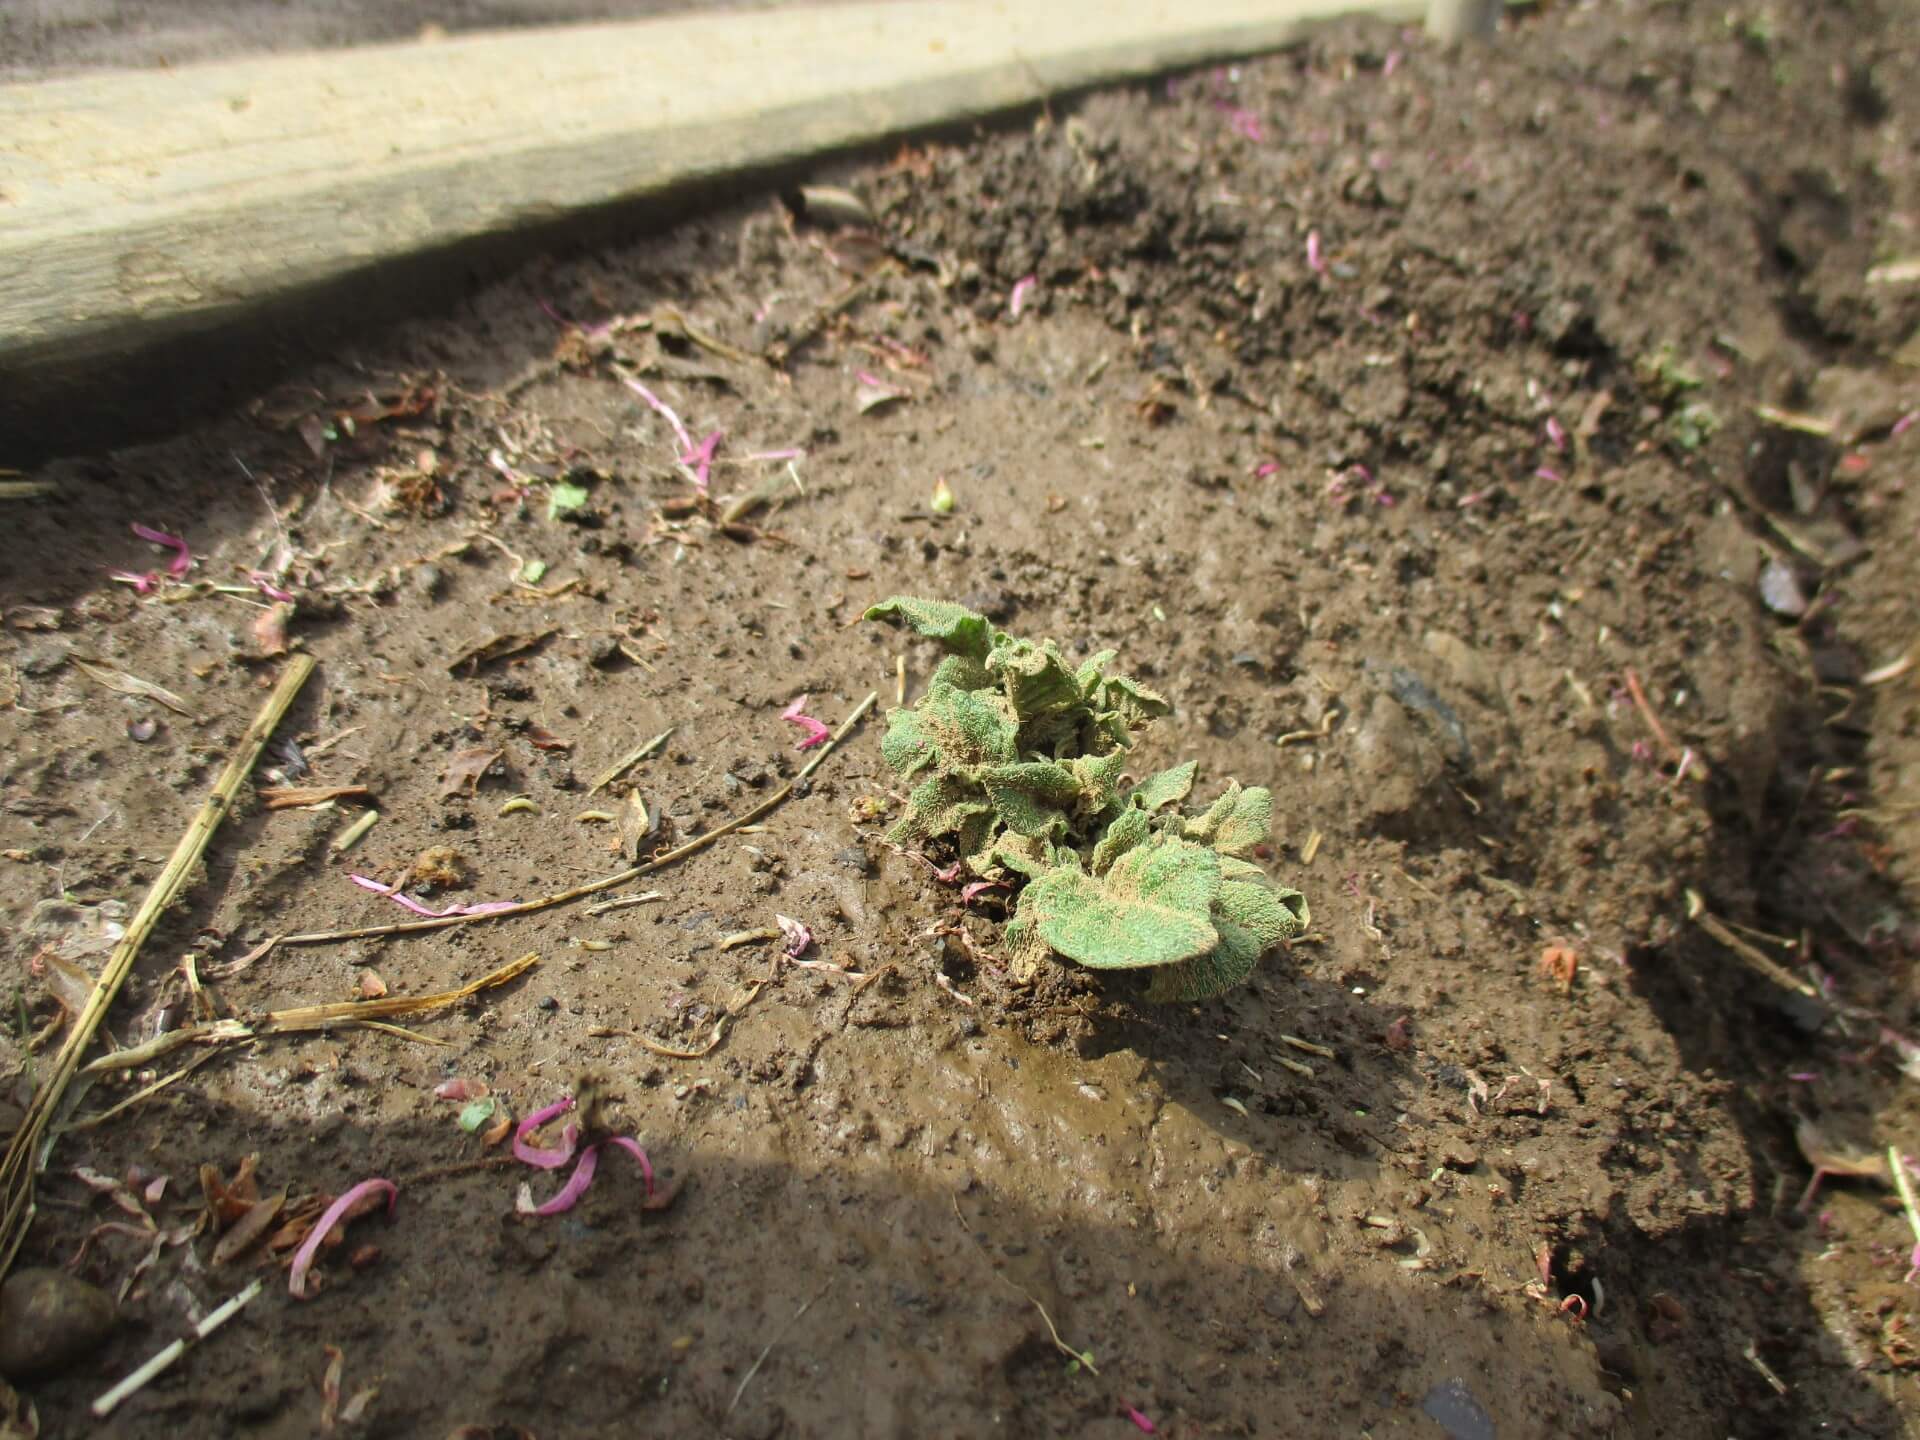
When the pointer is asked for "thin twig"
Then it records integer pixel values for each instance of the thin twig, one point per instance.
(610, 882)
(768, 1348)
(1905, 1186)
(1674, 752)
(632, 758)
(1058, 1344)
(168, 1354)
(141, 1094)
(17, 1170)
(1755, 959)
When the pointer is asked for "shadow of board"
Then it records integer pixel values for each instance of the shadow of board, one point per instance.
(842, 1302)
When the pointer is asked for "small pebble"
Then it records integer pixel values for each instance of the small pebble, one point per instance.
(48, 1320)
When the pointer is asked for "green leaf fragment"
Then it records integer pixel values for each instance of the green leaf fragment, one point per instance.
(473, 1116)
(564, 498)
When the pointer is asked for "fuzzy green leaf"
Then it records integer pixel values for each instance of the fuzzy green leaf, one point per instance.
(1236, 822)
(954, 626)
(1163, 789)
(1134, 703)
(952, 729)
(1028, 855)
(938, 806)
(1042, 689)
(1151, 908)
(1089, 675)
(1031, 798)
(963, 672)
(1099, 777)
(1252, 917)
(1127, 831)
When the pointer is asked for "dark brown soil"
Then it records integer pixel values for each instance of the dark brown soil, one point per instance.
(1395, 414)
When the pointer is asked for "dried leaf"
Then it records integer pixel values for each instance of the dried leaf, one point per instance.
(292, 797)
(122, 683)
(228, 1200)
(247, 1231)
(465, 769)
(542, 738)
(330, 1388)
(634, 825)
(496, 647)
(267, 635)
(371, 986)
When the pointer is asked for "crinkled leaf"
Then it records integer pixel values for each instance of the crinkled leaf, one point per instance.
(1252, 917)
(1135, 704)
(1236, 822)
(1089, 675)
(1045, 695)
(939, 806)
(1099, 777)
(963, 672)
(1129, 830)
(954, 626)
(1028, 855)
(952, 729)
(1165, 788)
(1033, 796)
(1151, 908)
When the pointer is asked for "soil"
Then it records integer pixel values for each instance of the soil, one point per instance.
(1402, 417)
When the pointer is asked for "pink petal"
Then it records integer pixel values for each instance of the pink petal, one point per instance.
(1017, 301)
(461, 1090)
(661, 406)
(1316, 262)
(1265, 468)
(1140, 1420)
(392, 892)
(632, 1147)
(798, 936)
(182, 557)
(263, 582)
(303, 1257)
(1546, 472)
(570, 1193)
(142, 584)
(968, 891)
(1556, 434)
(816, 732)
(546, 1159)
(701, 458)
(1904, 423)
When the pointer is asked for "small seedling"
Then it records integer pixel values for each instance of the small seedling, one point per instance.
(1018, 762)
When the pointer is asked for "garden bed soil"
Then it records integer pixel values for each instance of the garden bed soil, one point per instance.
(1396, 413)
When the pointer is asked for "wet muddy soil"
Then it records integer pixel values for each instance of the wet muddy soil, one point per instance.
(1508, 459)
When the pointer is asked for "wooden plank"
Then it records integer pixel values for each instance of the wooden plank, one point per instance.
(136, 207)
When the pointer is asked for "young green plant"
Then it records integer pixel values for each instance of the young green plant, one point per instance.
(1017, 760)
